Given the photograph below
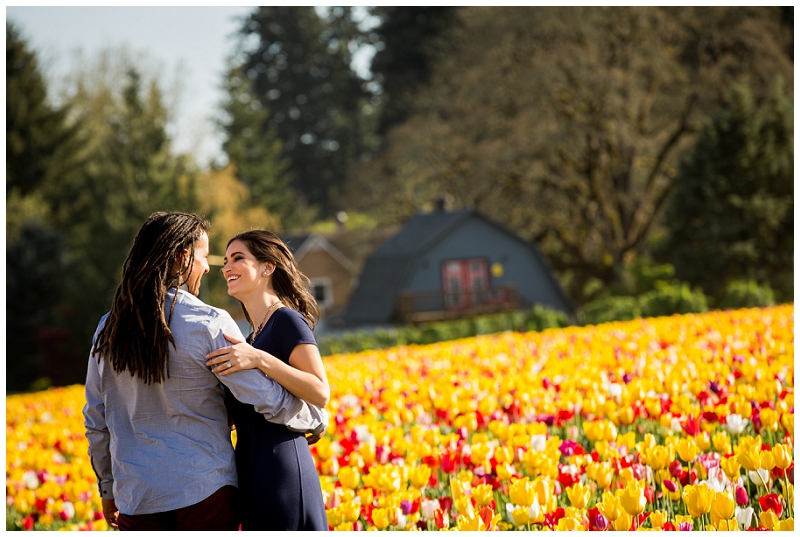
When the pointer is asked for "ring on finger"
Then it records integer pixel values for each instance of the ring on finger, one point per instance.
(229, 364)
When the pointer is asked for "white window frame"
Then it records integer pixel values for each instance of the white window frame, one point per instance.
(326, 283)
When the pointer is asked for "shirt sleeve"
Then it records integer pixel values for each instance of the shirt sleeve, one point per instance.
(97, 433)
(251, 386)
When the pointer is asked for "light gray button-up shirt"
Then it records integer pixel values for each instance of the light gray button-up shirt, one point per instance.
(165, 446)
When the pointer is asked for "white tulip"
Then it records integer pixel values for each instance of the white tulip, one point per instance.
(736, 424)
(538, 442)
(428, 508)
(759, 478)
(744, 517)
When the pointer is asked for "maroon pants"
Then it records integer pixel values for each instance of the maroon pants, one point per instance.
(217, 512)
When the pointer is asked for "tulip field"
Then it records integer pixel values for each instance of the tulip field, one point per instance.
(672, 423)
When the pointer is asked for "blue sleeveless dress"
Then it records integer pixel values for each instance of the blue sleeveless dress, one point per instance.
(279, 488)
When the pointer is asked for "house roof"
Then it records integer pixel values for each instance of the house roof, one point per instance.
(301, 244)
(387, 269)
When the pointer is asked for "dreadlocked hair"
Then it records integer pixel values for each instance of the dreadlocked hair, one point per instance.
(291, 285)
(136, 334)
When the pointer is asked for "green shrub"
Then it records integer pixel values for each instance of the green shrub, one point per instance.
(746, 294)
(537, 318)
(672, 298)
(610, 308)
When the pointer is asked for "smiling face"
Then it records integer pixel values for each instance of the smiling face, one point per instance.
(242, 271)
(199, 266)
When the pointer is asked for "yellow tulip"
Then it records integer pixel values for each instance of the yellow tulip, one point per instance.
(722, 442)
(483, 495)
(543, 488)
(687, 449)
(623, 521)
(366, 495)
(703, 441)
(782, 455)
(731, 467)
(351, 511)
(723, 507)
(459, 488)
(767, 460)
(579, 495)
(786, 525)
(658, 457)
(750, 459)
(504, 454)
(522, 492)
(787, 422)
(380, 517)
(570, 524)
(505, 471)
(698, 499)
(335, 516)
(769, 520)
(725, 525)
(420, 475)
(349, 477)
(471, 523)
(632, 498)
(769, 419)
(658, 519)
(610, 507)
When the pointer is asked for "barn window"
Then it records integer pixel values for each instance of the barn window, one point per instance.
(322, 290)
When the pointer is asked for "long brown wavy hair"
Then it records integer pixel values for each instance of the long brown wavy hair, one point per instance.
(291, 285)
(136, 335)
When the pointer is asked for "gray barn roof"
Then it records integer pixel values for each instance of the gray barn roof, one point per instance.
(386, 269)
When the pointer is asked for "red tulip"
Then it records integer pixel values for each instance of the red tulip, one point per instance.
(691, 425)
(771, 502)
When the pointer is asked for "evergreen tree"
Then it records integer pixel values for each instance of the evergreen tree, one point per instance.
(130, 172)
(731, 216)
(299, 66)
(254, 151)
(407, 40)
(35, 268)
(34, 128)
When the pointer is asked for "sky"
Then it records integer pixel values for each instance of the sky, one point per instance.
(194, 41)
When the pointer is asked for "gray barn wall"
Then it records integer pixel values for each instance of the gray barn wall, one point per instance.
(476, 238)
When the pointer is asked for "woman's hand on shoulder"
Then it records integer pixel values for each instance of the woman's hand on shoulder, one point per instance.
(240, 355)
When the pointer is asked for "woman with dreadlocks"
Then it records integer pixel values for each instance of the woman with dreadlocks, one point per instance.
(263, 275)
(155, 415)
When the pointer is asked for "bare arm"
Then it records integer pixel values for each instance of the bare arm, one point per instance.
(304, 376)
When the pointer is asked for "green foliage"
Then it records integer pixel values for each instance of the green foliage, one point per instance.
(255, 151)
(732, 214)
(664, 298)
(672, 298)
(566, 124)
(746, 294)
(404, 61)
(299, 65)
(35, 129)
(610, 308)
(537, 318)
(35, 267)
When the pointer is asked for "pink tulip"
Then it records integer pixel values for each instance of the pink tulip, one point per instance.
(741, 495)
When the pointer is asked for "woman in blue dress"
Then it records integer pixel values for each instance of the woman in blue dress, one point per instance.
(278, 482)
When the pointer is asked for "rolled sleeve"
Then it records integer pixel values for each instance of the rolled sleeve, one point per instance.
(251, 386)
